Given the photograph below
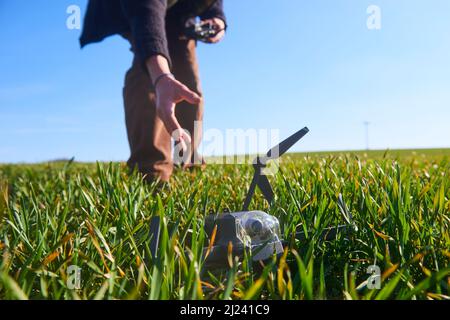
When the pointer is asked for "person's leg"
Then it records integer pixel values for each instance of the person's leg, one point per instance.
(185, 69)
(150, 143)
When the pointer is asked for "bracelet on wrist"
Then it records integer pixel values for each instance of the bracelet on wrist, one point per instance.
(160, 77)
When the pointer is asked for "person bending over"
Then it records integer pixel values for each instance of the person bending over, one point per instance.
(162, 93)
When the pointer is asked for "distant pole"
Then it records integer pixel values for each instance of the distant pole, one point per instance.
(366, 125)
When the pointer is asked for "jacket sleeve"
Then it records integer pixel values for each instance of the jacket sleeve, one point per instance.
(147, 22)
(215, 11)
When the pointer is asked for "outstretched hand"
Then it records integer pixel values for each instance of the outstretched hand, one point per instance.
(170, 92)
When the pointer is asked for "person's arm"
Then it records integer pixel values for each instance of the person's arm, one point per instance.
(215, 11)
(169, 92)
(148, 27)
(147, 21)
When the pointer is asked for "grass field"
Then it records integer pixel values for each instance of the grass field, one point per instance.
(96, 217)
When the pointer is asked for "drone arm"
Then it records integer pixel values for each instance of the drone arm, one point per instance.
(251, 191)
(266, 188)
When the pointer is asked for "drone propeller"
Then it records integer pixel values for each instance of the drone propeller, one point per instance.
(285, 145)
(261, 180)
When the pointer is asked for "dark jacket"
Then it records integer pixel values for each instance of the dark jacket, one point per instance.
(144, 19)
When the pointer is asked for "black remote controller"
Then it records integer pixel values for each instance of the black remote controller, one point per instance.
(201, 31)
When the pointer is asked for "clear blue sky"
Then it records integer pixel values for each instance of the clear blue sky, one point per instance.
(284, 64)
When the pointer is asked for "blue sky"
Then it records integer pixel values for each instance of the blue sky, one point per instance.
(284, 64)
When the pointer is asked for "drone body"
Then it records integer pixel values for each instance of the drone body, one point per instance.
(256, 232)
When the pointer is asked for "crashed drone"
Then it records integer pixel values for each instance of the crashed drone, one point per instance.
(255, 232)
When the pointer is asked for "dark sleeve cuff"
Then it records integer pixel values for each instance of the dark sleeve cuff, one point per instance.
(147, 44)
(147, 22)
(215, 11)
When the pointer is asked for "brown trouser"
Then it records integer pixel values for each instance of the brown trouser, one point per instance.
(150, 142)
